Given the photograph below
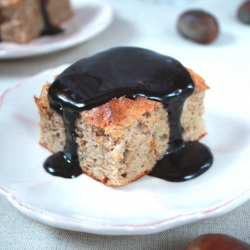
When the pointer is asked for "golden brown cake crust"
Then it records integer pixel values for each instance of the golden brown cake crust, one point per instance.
(120, 112)
(199, 82)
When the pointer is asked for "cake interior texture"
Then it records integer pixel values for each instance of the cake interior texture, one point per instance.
(23, 20)
(121, 140)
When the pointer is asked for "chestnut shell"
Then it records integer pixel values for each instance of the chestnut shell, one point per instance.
(198, 26)
(217, 242)
(244, 12)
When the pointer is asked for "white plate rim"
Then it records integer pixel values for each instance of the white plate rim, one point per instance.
(118, 229)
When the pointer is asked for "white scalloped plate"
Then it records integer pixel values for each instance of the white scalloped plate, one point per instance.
(148, 205)
(89, 19)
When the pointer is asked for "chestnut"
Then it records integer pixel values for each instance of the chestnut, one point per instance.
(217, 242)
(244, 12)
(198, 26)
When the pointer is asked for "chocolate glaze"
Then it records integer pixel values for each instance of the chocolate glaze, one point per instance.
(130, 72)
(185, 164)
(49, 28)
(1, 22)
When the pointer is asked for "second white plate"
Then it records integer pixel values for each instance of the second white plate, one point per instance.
(89, 19)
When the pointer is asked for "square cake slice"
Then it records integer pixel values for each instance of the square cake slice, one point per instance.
(24, 20)
(121, 140)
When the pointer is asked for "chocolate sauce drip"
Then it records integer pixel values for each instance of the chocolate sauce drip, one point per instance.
(185, 164)
(130, 72)
(49, 28)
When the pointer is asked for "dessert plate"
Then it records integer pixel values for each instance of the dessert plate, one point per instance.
(148, 205)
(89, 19)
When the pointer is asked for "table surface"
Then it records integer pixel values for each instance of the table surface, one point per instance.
(149, 24)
